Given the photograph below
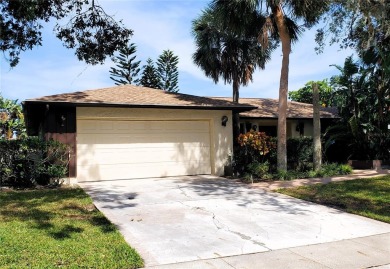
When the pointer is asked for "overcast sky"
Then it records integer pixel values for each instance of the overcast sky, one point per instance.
(158, 25)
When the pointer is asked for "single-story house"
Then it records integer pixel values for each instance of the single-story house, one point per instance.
(265, 117)
(126, 132)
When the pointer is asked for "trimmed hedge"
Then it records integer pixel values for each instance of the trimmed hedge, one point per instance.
(29, 162)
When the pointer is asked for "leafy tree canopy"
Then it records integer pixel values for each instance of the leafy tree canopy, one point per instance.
(89, 30)
(305, 94)
(359, 24)
(363, 101)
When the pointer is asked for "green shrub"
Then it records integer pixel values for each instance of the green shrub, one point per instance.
(334, 169)
(327, 170)
(247, 178)
(345, 169)
(289, 175)
(300, 153)
(259, 170)
(253, 147)
(27, 162)
(311, 173)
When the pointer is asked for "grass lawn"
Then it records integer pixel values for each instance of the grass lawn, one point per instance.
(59, 228)
(365, 197)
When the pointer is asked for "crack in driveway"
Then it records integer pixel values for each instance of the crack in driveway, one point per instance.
(183, 192)
(220, 226)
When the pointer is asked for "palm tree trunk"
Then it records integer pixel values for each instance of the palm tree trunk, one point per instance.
(317, 156)
(283, 88)
(236, 116)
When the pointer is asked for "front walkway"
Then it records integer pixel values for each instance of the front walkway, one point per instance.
(274, 185)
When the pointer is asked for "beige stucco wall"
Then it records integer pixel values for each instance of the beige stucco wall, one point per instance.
(291, 125)
(221, 137)
(307, 130)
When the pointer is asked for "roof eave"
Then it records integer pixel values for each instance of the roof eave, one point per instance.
(241, 108)
(289, 118)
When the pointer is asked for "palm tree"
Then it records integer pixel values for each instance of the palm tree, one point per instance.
(226, 55)
(280, 24)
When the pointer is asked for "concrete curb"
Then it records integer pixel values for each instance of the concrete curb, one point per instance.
(274, 185)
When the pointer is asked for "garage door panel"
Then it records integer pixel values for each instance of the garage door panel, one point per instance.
(109, 156)
(107, 172)
(133, 146)
(130, 127)
(175, 139)
(137, 149)
(142, 131)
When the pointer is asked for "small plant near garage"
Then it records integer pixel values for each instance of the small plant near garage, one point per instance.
(32, 161)
(255, 159)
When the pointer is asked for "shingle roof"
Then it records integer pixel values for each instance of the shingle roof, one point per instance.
(137, 96)
(268, 108)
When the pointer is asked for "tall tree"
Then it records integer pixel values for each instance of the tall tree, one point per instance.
(167, 71)
(365, 26)
(281, 24)
(89, 30)
(305, 94)
(364, 111)
(149, 76)
(127, 68)
(358, 24)
(228, 56)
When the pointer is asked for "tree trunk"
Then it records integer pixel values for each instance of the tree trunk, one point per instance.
(236, 93)
(9, 134)
(317, 154)
(236, 116)
(283, 88)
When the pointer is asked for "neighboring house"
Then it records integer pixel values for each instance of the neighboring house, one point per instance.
(127, 131)
(265, 117)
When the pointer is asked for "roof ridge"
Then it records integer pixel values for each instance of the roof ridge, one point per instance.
(138, 96)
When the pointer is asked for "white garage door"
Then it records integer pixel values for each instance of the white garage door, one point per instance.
(108, 149)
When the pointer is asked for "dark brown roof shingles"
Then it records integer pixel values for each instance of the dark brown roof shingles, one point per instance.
(268, 108)
(130, 95)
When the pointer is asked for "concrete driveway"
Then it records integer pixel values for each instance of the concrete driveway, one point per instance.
(179, 219)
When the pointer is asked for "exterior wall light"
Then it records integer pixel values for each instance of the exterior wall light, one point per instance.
(63, 119)
(224, 120)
